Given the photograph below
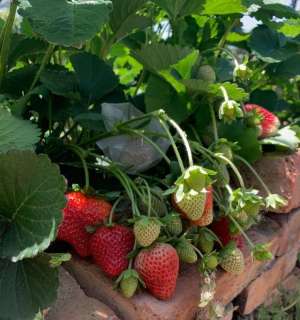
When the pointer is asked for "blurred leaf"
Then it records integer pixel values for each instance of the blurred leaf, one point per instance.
(123, 19)
(180, 8)
(286, 138)
(268, 11)
(290, 28)
(234, 91)
(91, 121)
(161, 95)
(160, 56)
(270, 46)
(289, 68)
(245, 137)
(26, 287)
(16, 133)
(64, 22)
(224, 7)
(237, 37)
(96, 78)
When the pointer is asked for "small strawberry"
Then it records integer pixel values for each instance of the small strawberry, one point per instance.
(129, 281)
(206, 241)
(173, 223)
(158, 267)
(146, 230)
(73, 231)
(109, 247)
(232, 260)
(186, 252)
(266, 121)
(208, 214)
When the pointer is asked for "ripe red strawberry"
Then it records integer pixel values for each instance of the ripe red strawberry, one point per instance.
(222, 229)
(73, 231)
(109, 247)
(268, 123)
(80, 212)
(208, 214)
(95, 210)
(158, 267)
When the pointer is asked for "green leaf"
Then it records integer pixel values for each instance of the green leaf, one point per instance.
(234, 91)
(289, 68)
(180, 8)
(196, 85)
(91, 121)
(271, 46)
(66, 22)
(224, 7)
(161, 95)
(268, 11)
(26, 287)
(247, 140)
(160, 56)
(290, 28)
(61, 82)
(16, 133)
(96, 78)
(124, 20)
(286, 139)
(31, 202)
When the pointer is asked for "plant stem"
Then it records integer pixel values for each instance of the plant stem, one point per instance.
(234, 168)
(180, 162)
(45, 60)
(80, 153)
(111, 214)
(154, 145)
(214, 122)
(225, 94)
(7, 33)
(223, 40)
(139, 83)
(255, 173)
(290, 306)
(198, 251)
(183, 136)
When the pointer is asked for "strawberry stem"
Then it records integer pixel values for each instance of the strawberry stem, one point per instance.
(80, 153)
(260, 180)
(198, 251)
(180, 162)
(214, 122)
(111, 214)
(225, 94)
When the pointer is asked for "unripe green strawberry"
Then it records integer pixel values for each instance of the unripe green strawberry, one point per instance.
(233, 261)
(211, 262)
(146, 230)
(206, 73)
(205, 244)
(158, 206)
(173, 224)
(191, 205)
(128, 286)
(222, 177)
(186, 252)
(128, 281)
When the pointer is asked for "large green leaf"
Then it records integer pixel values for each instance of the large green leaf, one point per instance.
(161, 95)
(96, 78)
(223, 7)
(271, 46)
(31, 201)
(67, 22)
(180, 8)
(160, 56)
(290, 27)
(268, 11)
(26, 287)
(16, 133)
(124, 18)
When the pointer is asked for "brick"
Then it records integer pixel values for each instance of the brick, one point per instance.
(260, 288)
(183, 305)
(289, 231)
(73, 304)
(281, 174)
(229, 285)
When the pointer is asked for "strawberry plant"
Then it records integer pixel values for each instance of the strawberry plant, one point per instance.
(150, 108)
